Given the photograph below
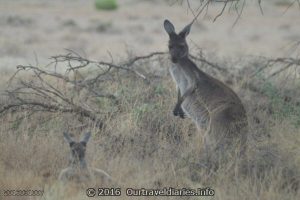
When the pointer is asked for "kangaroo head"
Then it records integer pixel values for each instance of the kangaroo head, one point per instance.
(178, 47)
(77, 149)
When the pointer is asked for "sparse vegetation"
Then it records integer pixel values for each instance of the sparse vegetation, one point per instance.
(142, 145)
(282, 106)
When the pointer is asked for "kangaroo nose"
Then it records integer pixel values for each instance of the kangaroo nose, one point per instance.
(174, 60)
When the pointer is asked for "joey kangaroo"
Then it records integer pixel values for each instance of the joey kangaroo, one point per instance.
(214, 107)
(78, 171)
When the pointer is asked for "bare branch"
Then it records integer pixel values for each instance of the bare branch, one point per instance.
(47, 90)
(225, 4)
(238, 6)
(287, 63)
(44, 89)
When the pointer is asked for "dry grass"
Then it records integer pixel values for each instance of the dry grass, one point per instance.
(143, 145)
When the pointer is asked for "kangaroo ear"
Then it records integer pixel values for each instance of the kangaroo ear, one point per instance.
(68, 138)
(186, 30)
(86, 137)
(169, 27)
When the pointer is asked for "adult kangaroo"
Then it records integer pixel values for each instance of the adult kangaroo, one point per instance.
(214, 107)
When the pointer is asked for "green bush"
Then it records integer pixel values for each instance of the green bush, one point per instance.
(106, 4)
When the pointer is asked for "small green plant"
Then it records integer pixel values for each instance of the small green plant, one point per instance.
(141, 110)
(106, 4)
(160, 90)
(280, 106)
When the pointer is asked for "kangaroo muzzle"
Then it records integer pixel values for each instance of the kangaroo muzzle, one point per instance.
(174, 59)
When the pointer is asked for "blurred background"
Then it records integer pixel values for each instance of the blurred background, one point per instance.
(40, 28)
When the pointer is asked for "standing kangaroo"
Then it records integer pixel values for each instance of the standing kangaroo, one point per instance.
(78, 171)
(212, 105)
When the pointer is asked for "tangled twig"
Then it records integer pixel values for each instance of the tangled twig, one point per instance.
(47, 90)
(285, 63)
(44, 89)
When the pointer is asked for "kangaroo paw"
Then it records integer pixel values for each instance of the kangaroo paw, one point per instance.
(182, 115)
(179, 112)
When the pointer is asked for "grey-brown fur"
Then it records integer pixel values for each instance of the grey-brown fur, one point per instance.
(213, 106)
(78, 170)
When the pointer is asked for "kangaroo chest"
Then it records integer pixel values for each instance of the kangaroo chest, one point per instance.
(179, 77)
(79, 175)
